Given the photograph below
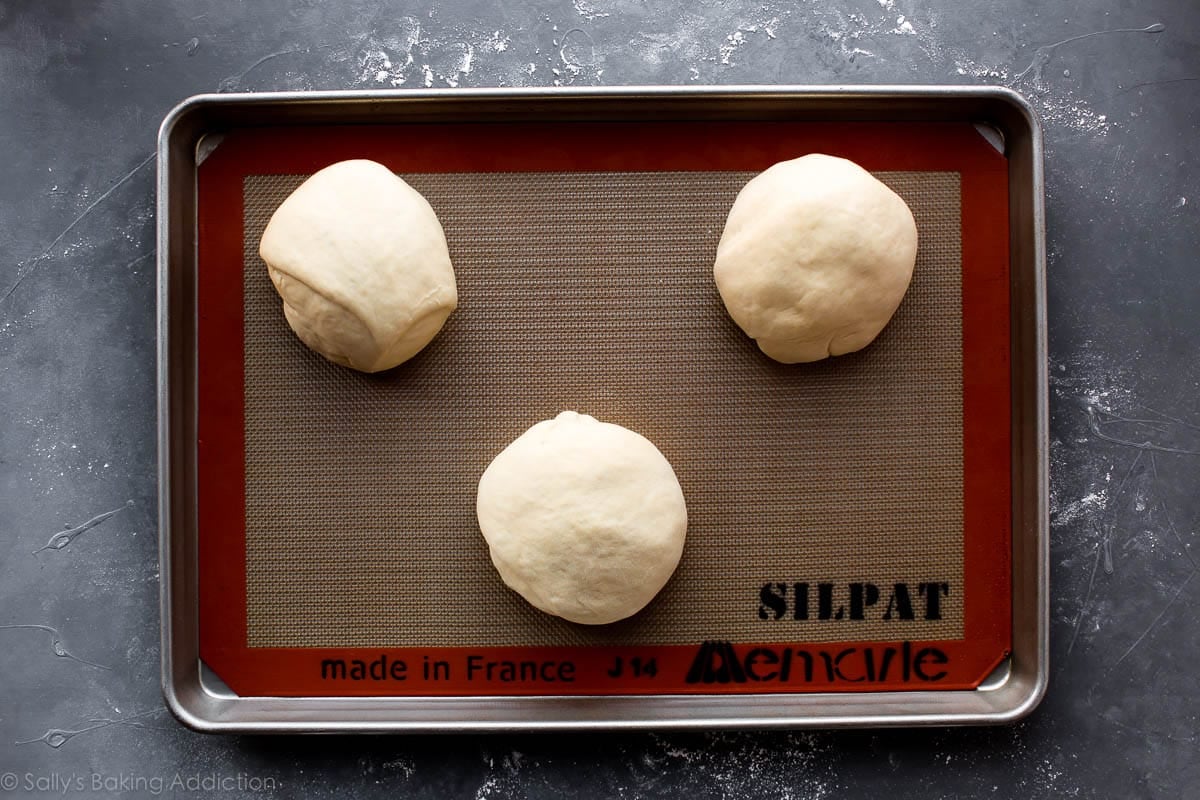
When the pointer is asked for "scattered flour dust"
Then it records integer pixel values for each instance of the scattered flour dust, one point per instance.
(903, 27)
(389, 58)
(409, 51)
(736, 40)
(1089, 507)
(1056, 109)
(845, 31)
(851, 33)
(733, 42)
(966, 67)
(588, 11)
(794, 765)
(405, 766)
(376, 66)
(385, 57)
(656, 48)
(10, 326)
(1086, 482)
(763, 22)
(461, 68)
(1067, 112)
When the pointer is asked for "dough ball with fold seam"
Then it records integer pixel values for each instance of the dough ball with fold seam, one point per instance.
(361, 262)
(584, 519)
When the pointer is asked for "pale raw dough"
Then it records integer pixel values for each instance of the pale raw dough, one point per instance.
(585, 519)
(815, 258)
(361, 263)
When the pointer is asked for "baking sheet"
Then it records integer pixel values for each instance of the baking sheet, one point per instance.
(202, 455)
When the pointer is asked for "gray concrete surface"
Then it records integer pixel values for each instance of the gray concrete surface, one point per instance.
(83, 87)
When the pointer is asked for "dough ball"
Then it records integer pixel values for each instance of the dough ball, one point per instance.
(584, 519)
(360, 260)
(815, 258)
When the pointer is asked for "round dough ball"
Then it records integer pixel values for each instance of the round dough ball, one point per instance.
(360, 260)
(584, 519)
(815, 258)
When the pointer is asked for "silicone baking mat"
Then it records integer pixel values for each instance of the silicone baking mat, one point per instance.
(829, 504)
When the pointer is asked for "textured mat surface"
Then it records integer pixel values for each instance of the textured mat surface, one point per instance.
(594, 292)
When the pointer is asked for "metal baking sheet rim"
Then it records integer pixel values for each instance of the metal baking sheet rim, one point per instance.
(197, 698)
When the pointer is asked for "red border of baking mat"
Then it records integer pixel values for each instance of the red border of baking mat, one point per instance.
(711, 667)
